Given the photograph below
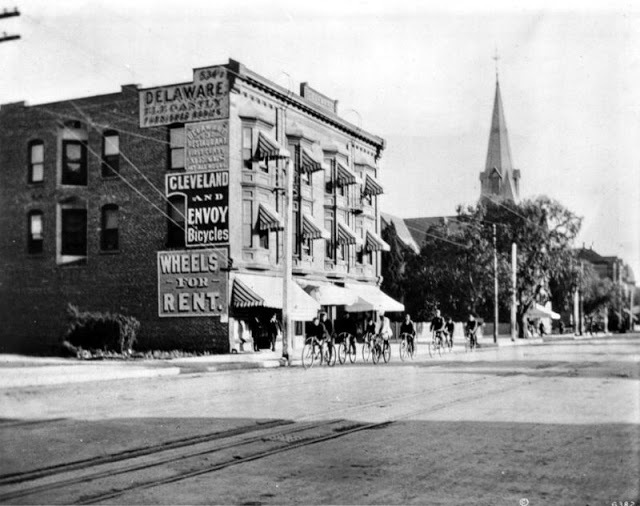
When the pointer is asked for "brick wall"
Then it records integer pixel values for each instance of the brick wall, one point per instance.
(34, 289)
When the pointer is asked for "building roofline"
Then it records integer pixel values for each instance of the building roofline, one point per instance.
(307, 106)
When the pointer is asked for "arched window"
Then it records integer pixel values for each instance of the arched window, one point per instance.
(35, 232)
(74, 154)
(176, 223)
(109, 238)
(110, 153)
(36, 161)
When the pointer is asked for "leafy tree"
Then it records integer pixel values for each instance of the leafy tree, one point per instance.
(454, 270)
(394, 263)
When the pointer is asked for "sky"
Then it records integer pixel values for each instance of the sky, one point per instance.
(419, 74)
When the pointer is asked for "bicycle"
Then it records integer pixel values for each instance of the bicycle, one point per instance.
(470, 341)
(346, 348)
(367, 345)
(314, 351)
(436, 345)
(380, 348)
(407, 346)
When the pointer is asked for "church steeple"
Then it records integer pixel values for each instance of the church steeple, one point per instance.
(499, 180)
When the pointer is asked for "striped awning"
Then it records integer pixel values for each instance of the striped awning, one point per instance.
(243, 296)
(309, 163)
(268, 218)
(311, 229)
(344, 176)
(371, 186)
(347, 236)
(250, 290)
(375, 243)
(269, 148)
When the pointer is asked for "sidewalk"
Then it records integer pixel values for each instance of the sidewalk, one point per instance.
(18, 371)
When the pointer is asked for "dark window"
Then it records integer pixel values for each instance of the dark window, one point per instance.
(296, 228)
(110, 153)
(176, 147)
(263, 239)
(74, 163)
(175, 223)
(36, 161)
(247, 222)
(328, 176)
(35, 237)
(109, 236)
(247, 147)
(328, 224)
(74, 232)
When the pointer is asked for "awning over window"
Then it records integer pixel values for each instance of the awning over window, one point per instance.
(347, 236)
(371, 298)
(268, 218)
(345, 176)
(371, 186)
(309, 163)
(311, 229)
(328, 294)
(250, 290)
(539, 311)
(375, 243)
(268, 147)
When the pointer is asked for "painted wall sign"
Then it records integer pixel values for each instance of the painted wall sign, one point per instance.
(206, 205)
(318, 98)
(207, 146)
(190, 283)
(206, 98)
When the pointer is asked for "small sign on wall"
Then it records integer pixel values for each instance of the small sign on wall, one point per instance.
(191, 283)
(207, 146)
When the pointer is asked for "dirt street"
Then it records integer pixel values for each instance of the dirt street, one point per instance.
(530, 425)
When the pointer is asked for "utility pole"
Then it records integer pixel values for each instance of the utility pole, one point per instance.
(495, 287)
(514, 264)
(580, 323)
(9, 14)
(287, 250)
(631, 290)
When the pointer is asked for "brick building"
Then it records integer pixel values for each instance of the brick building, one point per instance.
(166, 204)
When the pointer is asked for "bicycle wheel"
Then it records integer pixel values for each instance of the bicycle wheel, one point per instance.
(331, 358)
(375, 353)
(431, 347)
(308, 356)
(404, 352)
(342, 352)
(386, 352)
(439, 348)
(351, 350)
(366, 351)
(412, 349)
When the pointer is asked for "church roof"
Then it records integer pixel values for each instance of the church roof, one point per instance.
(401, 229)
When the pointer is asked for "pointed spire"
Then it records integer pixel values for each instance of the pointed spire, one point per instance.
(499, 151)
(499, 164)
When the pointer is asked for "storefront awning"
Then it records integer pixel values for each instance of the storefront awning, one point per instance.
(371, 186)
(539, 311)
(250, 290)
(371, 298)
(347, 236)
(311, 229)
(375, 242)
(309, 163)
(269, 148)
(328, 294)
(344, 176)
(268, 218)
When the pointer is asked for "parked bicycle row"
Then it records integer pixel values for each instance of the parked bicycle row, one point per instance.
(324, 346)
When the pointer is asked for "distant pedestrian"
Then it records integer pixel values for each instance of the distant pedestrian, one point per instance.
(541, 328)
(274, 329)
(450, 328)
(561, 327)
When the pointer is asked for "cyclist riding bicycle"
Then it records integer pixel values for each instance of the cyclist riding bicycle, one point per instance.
(384, 329)
(348, 326)
(471, 329)
(438, 326)
(407, 327)
(450, 328)
(316, 332)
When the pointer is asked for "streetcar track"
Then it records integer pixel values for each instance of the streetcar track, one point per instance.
(295, 445)
(285, 431)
